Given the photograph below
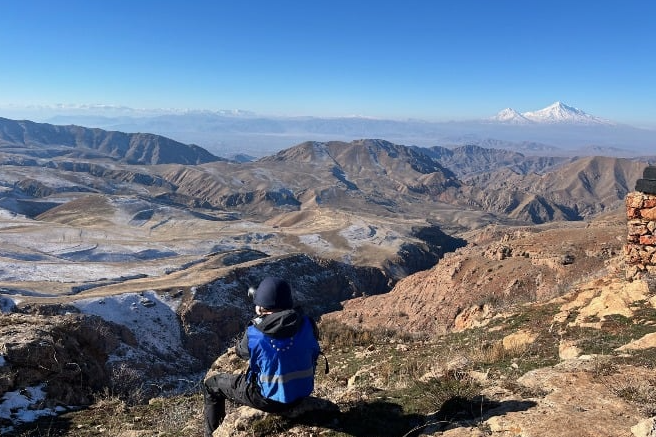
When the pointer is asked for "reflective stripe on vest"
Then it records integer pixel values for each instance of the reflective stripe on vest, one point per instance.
(276, 379)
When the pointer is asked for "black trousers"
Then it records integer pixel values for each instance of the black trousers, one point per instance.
(237, 388)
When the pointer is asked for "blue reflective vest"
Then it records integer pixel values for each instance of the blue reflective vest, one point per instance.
(283, 368)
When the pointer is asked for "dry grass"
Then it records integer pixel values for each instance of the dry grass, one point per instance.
(387, 384)
(636, 389)
(178, 416)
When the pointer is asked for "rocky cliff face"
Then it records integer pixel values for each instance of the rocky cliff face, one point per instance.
(73, 353)
(466, 360)
(577, 365)
(524, 265)
(68, 355)
(217, 313)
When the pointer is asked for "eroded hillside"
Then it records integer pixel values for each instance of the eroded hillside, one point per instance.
(367, 203)
(500, 266)
(127, 280)
(576, 361)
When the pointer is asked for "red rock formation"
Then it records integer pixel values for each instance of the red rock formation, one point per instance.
(640, 249)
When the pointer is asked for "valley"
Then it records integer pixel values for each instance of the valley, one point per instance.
(138, 255)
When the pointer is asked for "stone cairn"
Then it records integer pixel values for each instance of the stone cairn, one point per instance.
(640, 249)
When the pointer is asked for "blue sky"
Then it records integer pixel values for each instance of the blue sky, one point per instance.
(431, 59)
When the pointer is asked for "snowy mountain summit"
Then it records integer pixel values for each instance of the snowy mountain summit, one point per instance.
(557, 113)
(511, 116)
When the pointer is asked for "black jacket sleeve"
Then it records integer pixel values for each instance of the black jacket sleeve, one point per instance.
(242, 347)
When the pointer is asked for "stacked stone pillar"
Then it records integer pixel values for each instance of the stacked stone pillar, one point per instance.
(640, 249)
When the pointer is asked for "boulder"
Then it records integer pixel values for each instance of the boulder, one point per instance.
(645, 428)
(246, 421)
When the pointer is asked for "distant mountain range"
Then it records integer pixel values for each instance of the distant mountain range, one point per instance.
(557, 130)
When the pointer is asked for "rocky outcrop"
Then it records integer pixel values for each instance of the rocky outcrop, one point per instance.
(576, 402)
(464, 287)
(247, 421)
(640, 249)
(66, 353)
(280, 198)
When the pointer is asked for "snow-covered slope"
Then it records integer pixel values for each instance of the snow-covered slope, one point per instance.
(510, 116)
(556, 113)
(559, 112)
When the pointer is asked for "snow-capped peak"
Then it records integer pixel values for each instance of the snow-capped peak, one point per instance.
(510, 116)
(559, 112)
(556, 113)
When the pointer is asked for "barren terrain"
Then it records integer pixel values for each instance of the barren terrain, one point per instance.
(500, 266)
(124, 275)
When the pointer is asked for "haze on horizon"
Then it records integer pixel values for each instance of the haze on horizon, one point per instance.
(435, 61)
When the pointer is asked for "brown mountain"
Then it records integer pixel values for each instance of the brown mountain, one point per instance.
(469, 160)
(47, 140)
(365, 175)
(572, 191)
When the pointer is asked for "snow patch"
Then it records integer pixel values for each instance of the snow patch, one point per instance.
(315, 241)
(320, 151)
(9, 215)
(20, 406)
(65, 271)
(357, 234)
(149, 316)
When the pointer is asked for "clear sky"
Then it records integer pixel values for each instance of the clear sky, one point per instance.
(428, 59)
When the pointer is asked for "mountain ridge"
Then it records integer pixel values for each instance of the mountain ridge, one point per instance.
(43, 139)
(343, 174)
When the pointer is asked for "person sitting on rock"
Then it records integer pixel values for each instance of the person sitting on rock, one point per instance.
(281, 345)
